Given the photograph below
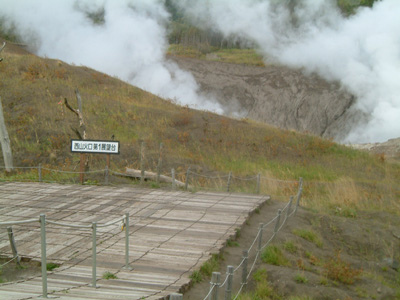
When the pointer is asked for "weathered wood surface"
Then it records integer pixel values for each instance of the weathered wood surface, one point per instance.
(151, 175)
(172, 233)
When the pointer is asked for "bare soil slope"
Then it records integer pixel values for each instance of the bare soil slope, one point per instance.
(277, 95)
(363, 248)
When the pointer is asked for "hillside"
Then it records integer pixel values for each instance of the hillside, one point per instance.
(276, 95)
(341, 185)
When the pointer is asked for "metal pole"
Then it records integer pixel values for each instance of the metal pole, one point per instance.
(94, 229)
(299, 195)
(288, 209)
(142, 162)
(127, 242)
(43, 253)
(260, 234)
(13, 245)
(173, 179)
(229, 283)
(244, 268)
(229, 182)
(187, 179)
(277, 221)
(215, 282)
(258, 182)
(40, 172)
(159, 164)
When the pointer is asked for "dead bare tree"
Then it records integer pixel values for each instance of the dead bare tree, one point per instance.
(5, 142)
(81, 132)
(1, 49)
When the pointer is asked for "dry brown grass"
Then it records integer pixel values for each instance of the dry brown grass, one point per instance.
(32, 90)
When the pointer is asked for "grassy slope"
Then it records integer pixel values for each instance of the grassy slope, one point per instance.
(32, 91)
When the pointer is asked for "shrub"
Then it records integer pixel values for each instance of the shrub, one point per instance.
(273, 255)
(290, 247)
(338, 270)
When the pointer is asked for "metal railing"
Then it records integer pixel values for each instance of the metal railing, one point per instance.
(217, 283)
(93, 226)
(190, 180)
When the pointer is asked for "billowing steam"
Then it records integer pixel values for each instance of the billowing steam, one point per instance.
(362, 52)
(123, 38)
(127, 38)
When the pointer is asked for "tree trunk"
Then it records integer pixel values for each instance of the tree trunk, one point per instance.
(5, 142)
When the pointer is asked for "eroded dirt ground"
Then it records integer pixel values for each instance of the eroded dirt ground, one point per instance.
(367, 244)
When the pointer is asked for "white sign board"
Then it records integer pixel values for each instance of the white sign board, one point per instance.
(87, 146)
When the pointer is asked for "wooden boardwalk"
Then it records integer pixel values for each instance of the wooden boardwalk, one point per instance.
(172, 233)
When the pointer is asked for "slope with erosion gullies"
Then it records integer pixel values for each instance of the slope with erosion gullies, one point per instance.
(276, 95)
(33, 89)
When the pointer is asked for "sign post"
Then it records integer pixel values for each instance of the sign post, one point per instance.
(93, 146)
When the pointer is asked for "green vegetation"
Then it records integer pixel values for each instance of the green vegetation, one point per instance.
(232, 243)
(196, 277)
(52, 266)
(300, 278)
(263, 289)
(211, 265)
(206, 270)
(309, 235)
(236, 55)
(273, 255)
(290, 247)
(349, 7)
(108, 275)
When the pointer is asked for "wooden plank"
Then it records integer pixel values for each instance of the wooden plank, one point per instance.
(170, 233)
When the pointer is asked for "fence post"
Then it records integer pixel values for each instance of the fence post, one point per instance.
(214, 285)
(229, 283)
(43, 253)
(175, 296)
(288, 209)
(106, 175)
(229, 182)
(299, 195)
(244, 268)
(258, 182)
(173, 179)
(40, 172)
(127, 242)
(13, 245)
(142, 162)
(159, 164)
(187, 179)
(94, 229)
(260, 234)
(277, 222)
(82, 168)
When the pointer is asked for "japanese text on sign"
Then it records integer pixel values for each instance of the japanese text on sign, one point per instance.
(86, 146)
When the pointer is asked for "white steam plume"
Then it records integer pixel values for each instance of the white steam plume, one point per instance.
(362, 52)
(129, 41)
